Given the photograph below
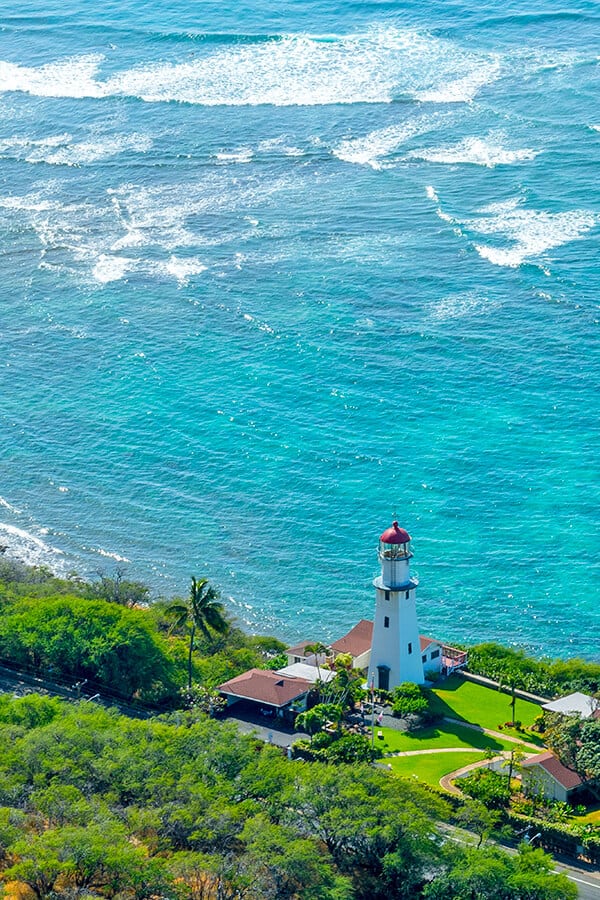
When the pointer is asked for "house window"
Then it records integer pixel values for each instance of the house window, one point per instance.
(409, 649)
(407, 595)
(296, 659)
(387, 595)
(424, 658)
(386, 622)
(435, 654)
(384, 678)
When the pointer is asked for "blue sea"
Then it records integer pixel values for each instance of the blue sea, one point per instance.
(273, 275)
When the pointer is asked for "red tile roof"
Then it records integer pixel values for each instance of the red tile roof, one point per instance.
(567, 778)
(357, 641)
(266, 687)
(299, 649)
(426, 641)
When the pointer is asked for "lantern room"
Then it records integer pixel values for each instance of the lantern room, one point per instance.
(394, 555)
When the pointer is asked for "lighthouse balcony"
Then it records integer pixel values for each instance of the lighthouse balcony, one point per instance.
(408, 584)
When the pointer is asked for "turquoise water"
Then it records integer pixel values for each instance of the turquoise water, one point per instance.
(272, 277)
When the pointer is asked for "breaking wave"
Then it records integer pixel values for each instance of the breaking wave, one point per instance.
(377, 66)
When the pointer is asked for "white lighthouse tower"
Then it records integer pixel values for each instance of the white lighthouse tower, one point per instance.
(396, 650)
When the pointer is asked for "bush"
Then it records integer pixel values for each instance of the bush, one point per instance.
(546, 677)
(409, 700)
(490, 787)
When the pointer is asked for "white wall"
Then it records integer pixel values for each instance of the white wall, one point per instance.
(397, 644)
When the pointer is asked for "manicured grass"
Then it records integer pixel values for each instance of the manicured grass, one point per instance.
(443, 735)
(432, 766)
(484, 706)
(592, 817)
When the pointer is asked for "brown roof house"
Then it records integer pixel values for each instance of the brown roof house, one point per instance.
(357, 643)
(544, 775)
(270, 692)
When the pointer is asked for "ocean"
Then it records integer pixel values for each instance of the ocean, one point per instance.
(276, 274)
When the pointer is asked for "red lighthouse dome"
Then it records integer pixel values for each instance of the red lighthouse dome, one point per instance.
(395, 535)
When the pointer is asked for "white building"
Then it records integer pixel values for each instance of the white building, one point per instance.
(396, 649)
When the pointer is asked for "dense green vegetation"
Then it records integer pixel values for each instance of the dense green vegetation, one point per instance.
(181, 806)
(184, 807)
(106, 632)
(546, 677)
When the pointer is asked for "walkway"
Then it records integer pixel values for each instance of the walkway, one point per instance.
(496, 734)
(446, 780)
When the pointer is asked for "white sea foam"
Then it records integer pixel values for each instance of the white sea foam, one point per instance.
(111, 268)
(531, 232)
(243, 155)
(487, 152)
(71, 77)
(28, 548)
(60, 149)
(464, 88)
(107, 554)
(78, 154)
(370, 149)
(595, 127)
(183, 269)
(457, 306)
(9, 506)
(279, 145)
(375, 66)
(139, 229)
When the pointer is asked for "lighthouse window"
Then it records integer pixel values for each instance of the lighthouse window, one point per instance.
(387, 595)
(409, 649)
(407, 594)
(424, 658)
(386, 622)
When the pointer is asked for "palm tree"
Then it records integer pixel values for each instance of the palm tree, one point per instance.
(317, 649)
(202, 611)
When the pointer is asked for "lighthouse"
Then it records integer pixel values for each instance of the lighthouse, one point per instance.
(395, 650)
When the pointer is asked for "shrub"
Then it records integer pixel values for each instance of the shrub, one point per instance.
(488, 786)
(409, 700)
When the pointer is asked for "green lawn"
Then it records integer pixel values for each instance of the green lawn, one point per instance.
(484, 706)
(442, 735)
(592, 817)
(433, 766)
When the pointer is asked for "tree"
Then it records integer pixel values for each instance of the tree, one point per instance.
(202, 611)
(491, 874)
(78, 638)
(318, 649)
(117, 589)
(475, 816)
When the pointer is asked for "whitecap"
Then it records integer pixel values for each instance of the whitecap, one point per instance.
(532, 233)
(84, 152)
(375, 66)
(370, 149)
(463, 89)
(71, 77)
(183, 269)
(111, 268)
(107, 554)
(244, 155)
(9, 506)
(28, 548)
(487, 152)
